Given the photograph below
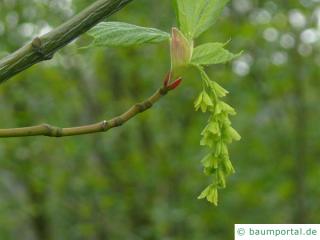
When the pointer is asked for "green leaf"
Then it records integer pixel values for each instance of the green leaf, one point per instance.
(111, 34)
(211, 53)
(196, 16)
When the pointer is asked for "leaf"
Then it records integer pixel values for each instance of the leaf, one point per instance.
(181, 49)
(111, 34)
(196, 16)
(212, 53)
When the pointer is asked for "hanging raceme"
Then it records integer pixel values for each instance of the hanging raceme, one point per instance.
(217, 134)
(194, 18)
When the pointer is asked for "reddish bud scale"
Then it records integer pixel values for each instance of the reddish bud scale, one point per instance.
(175, 84)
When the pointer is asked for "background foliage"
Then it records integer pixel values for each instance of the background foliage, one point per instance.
(141, 181)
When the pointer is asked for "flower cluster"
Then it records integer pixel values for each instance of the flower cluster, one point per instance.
(217, 134)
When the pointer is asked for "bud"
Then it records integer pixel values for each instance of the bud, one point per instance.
(181, 49)
(175, 84)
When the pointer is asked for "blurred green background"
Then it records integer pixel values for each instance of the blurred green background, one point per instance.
(141, 181)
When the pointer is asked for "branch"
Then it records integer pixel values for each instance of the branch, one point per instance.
(52, 131)
(44, 47)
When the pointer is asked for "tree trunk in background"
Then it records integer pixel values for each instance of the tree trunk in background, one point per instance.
(94, 109)
(39, 220)
(300, 142)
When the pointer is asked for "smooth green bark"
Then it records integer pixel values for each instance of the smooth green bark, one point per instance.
(44, 47)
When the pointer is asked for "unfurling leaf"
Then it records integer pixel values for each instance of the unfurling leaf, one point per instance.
(211, 53)
(111, 34)
(196, 16)
(181, 49)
